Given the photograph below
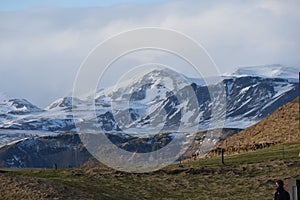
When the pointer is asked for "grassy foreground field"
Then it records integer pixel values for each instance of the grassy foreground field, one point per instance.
(245, 176)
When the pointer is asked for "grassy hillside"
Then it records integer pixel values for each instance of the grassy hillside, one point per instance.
(282, 126)
(245, 176)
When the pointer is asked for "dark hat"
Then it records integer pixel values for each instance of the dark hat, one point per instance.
(280, 183)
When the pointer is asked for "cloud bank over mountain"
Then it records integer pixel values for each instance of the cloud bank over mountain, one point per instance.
(41, 49)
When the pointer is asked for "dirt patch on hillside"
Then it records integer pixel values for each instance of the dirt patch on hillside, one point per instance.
(18, 187)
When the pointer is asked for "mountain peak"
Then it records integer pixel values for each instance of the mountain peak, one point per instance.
(156, 75)
(63, 103)
(146, 83)
(164, 76)
(18, 106)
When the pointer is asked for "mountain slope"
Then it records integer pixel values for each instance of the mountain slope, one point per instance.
(282, 126)
(43, 152)
(67, 150)
(249, 99)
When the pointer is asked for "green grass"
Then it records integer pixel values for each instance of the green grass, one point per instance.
(245, 176)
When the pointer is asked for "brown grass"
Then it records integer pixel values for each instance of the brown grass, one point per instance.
(18, 187)
(245, 176)
(282, 126)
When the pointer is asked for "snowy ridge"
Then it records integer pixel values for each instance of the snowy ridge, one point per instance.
(18, 106)
(268, 71)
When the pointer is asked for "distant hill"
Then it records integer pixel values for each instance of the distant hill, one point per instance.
(282, 126)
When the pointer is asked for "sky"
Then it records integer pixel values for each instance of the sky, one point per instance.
(43, 43)
(14, 5)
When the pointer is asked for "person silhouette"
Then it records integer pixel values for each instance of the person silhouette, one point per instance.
(281, 193)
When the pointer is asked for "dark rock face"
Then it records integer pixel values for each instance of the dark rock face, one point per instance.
(67, 150)
(261, 98)
(140, 145)
(64, 150)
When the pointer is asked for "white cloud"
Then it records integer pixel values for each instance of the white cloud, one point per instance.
(41, 49)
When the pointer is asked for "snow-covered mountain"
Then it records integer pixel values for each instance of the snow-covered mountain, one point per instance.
(249, 98)
(153, 103)
(13, 109)
(162, 99)
(18, 106)
(20, 114)
(140, 102)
